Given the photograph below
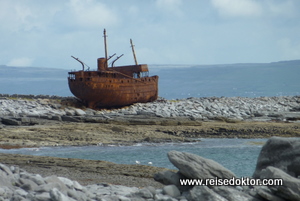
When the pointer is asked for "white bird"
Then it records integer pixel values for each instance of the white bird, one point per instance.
(150, 163)
(137, 162)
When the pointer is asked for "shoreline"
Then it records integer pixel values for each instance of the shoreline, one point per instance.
(51, 122)
(116, 133)
(86, 172)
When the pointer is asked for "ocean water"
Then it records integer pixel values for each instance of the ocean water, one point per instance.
(175, 81)
(238, 155)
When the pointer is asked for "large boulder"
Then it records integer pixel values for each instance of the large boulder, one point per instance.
(288, 189)
(203, 193)
(282, 153)
(196, 167)
(169, 177)
(232, 194)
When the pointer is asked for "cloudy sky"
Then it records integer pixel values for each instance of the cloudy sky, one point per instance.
(44, 33)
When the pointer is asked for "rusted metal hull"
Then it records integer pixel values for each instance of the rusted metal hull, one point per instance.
(115, 86)
(104, 91)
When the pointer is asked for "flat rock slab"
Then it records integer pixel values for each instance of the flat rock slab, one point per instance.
(196, 167)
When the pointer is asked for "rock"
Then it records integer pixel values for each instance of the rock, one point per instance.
(283, 153)
(53, 182)
(70, 119)
(20, 192)
(79, 112)
(5, 180)
(171, 190)
(36, 178)
(70, 112)
(289, 189)
(27, 184)
(42, 197)
(292, 116)
(77, 186)
(90, 112)
(5, 169)
(161, 197)
(56, 118)
(56, 195)
(67, 182)
(197, 167)
(203, 193)
(267, 194)
(151, 189)
(10, 121)
(144, 193)
(168, 177)
(232, 194)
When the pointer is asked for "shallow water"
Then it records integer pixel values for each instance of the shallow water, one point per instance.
(238, 155)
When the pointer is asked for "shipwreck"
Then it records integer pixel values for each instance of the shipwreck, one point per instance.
(114, 86)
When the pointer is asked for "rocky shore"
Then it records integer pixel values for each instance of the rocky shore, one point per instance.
(17, 184)
(284, 108)
(34, 121)
(29, 121)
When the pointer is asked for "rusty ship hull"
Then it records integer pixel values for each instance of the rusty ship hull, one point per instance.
(109, 87)
(106, 89)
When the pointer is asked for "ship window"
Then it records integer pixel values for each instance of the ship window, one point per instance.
(143, 74)
(136, 75)
(72, 76)
(121, 81)
(110, 81)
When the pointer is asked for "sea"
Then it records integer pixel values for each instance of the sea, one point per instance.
(175, 82)
(237, 155)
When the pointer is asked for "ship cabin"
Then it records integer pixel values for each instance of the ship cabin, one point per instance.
(130, 71)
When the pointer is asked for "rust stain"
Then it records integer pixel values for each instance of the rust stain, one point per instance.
(109, 87)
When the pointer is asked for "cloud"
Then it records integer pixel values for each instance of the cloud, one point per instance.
(19, 16)
(285, 8)
(237, 8)
(289, 49)
(214, 31)
(91, 13)
(171, 6)
(21, 61)
(15, 16)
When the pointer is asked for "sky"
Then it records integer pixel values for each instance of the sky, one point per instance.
(43, 33)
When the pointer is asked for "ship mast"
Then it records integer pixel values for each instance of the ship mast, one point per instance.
(105, 46)
(133, 52)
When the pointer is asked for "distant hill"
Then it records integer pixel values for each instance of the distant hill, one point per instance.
(175, 81)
